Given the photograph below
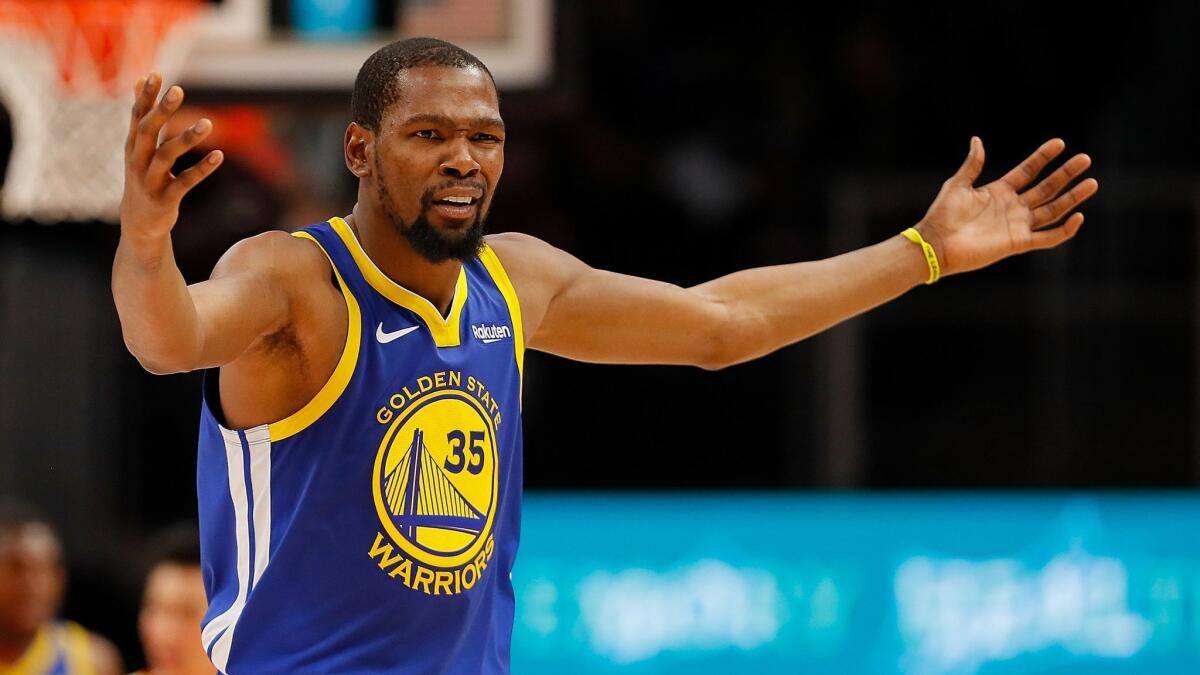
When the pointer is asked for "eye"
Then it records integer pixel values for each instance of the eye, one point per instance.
(487, 138)
(428, 134)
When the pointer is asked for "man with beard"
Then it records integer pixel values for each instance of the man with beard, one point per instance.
(360, 451)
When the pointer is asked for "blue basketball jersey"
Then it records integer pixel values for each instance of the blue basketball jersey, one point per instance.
(374, 530)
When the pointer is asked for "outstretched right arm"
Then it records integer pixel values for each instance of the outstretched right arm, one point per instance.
(170, 326)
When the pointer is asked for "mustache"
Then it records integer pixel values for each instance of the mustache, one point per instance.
(427, 195)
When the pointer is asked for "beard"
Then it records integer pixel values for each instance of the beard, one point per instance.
(428, 241)
(437, 246)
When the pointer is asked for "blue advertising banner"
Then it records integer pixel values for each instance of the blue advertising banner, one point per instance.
(962, 583)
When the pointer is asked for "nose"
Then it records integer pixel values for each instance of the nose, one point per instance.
(459, 163)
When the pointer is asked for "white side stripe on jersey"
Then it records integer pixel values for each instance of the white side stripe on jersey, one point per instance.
(218, 634)
(259, 441)
(235, 470)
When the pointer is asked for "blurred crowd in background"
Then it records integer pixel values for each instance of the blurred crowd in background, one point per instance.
(166, 577)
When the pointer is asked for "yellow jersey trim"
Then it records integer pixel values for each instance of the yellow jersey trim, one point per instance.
(492, 262)
(79, 649)
(446, 331)
(340, 379)
(37, 659)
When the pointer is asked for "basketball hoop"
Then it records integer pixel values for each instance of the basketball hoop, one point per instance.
(67, 69)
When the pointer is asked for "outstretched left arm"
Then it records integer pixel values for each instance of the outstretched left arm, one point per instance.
(573, 310)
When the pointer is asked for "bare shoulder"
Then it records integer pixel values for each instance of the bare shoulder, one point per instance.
(295, 270)
(291, 356)
(106, 659)
(513, 247)
(284, 280)
(532, 261)
(538, 270)
(276, 254)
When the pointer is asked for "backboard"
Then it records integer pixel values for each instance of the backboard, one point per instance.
(242, 46)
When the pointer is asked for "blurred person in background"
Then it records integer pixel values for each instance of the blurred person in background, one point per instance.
(32, 581)
(173, 605)
(361, 445)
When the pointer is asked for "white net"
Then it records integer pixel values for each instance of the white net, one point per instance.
(67, 71)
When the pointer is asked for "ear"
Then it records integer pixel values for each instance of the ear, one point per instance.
(358, 147)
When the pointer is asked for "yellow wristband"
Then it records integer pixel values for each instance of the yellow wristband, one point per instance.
(935, 270)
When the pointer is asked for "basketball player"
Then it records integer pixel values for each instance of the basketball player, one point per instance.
(360, 451)
(32, 580)
(173, 605)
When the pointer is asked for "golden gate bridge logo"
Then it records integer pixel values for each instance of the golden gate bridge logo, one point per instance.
(436, 479)
(420, 494)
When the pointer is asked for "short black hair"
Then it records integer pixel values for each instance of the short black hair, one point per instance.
(375, 86)
(176, 545)
(16, 515)
(18, 518)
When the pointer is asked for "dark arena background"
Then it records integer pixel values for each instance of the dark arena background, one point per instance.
(993, 474)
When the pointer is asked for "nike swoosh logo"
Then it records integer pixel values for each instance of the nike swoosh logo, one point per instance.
(385, 338)
(488, 341)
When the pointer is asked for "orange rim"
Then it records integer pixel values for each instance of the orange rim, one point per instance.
(113, 39)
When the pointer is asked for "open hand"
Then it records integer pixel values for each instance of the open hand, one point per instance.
(972, 227)
(150, 203)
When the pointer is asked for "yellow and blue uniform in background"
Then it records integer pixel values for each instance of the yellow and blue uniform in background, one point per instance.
(60, 648)
(375, 529)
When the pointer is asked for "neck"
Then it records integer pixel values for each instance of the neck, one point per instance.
(396, 258)
(14, 646)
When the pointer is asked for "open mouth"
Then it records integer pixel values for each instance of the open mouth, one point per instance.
(455, 207)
